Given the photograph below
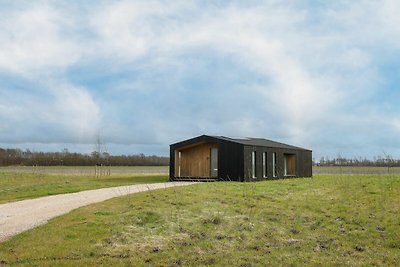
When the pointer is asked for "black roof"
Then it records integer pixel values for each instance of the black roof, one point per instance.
(246, 141)
(258, 142)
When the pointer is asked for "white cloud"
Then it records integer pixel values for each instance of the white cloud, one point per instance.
(79, 114)
(32, 39)
(319, 64)
(396, 123)
(128, 30)
(64, 113)
(248, 35)
(316, 70)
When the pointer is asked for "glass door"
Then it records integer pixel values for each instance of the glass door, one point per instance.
(214, 162)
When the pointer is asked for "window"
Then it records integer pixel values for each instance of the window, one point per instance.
(274, 164)
(265, 165)
(253, 164)
(214, 162)
(179, 162)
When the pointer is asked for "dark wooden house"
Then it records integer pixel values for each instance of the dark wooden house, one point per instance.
(222, 158)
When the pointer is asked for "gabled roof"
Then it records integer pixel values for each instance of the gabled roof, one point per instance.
(243, 141)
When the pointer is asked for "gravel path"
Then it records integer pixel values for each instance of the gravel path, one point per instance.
(16, 217)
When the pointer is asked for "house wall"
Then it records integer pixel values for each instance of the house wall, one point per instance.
(230, 157)
(304, 167)
(230, 161)
(172, 164)
(303, 162)
(173, 152)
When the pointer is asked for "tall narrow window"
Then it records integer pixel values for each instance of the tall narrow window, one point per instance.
(274, 164)
(253, 164)
(265, 165)
(179, 160)
(214, 162)
(285, 166)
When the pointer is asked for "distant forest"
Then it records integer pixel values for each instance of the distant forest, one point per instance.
(378, 161)
(10, 157)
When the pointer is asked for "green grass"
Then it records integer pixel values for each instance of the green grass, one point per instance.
(17, 185)
(85, 170)
(328, 220)
(355, 170)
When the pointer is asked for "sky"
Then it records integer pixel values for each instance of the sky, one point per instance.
(141, 75)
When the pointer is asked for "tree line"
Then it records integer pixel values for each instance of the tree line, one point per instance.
(10, 157)
(378, 161)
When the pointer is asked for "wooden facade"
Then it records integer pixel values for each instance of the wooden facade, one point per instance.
(223, 158)
(194, 161)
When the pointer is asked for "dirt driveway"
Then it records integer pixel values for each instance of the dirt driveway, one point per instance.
(16, 217)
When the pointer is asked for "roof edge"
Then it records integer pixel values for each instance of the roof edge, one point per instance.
(247, 141)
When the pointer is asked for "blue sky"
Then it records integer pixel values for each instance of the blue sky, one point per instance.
(144, 74)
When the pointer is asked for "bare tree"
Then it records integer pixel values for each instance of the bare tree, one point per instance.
(102, 157)
(388, 160)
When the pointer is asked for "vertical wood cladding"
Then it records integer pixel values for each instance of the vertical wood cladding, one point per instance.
(305, 163)
(300, 163)
(230, 161)
(195, 161)
(290, 164)
(234, 159)
(171, 163)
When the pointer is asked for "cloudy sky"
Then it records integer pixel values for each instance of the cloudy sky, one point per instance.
(144, 74)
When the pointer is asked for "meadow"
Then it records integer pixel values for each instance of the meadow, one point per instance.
(355, 170)
(85, 170)
(90, 170)
(18, 183)
(327, 220)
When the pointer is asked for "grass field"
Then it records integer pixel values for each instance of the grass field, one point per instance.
(355, 170)
(84, 170)
(22, 185)
(89, 170)
(328, 220)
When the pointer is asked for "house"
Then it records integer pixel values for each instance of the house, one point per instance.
(221, 158)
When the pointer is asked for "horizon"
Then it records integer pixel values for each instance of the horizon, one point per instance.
(377, 157)
(146, 74)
